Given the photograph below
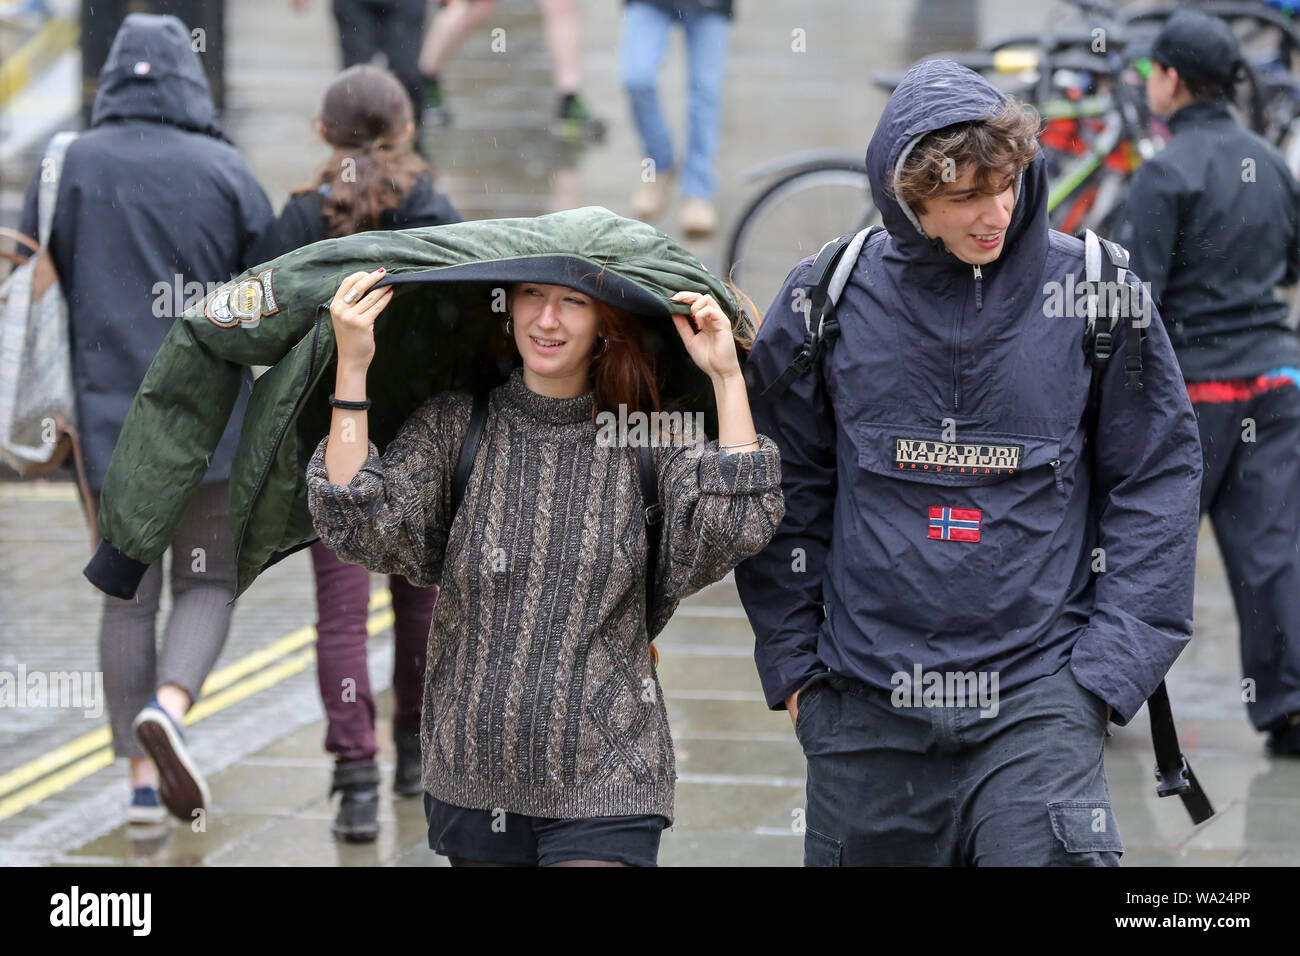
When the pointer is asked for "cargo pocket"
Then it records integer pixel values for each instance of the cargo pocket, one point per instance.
(1085, 826)
(820, 850)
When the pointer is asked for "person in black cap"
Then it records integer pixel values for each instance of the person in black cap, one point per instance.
(1213, 225)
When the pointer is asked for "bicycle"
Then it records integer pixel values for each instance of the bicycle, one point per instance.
(811, 196)
(1096, 132)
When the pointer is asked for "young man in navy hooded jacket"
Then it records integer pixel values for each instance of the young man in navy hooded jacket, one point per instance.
(969, 581)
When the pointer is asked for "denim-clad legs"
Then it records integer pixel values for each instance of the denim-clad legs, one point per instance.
(645, 40)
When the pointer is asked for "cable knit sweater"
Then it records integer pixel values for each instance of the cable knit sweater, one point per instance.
(540, 695)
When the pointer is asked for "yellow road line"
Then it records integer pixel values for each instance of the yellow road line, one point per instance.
(60, 756)
(222, 689)
(55, 37)
(53, 784)
(253, 662)
(37, 491)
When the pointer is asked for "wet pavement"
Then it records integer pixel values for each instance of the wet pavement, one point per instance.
(258, 731)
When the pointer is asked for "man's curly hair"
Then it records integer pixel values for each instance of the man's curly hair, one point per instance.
(999, 148)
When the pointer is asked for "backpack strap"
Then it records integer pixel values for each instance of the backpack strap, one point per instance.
(1174, 776)
(468, 452)
(1106, 263)
(826, 280)
(654, 517)
(47, 196)
(1106, 268)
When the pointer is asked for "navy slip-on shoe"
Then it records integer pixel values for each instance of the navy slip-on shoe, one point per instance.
(181, 787)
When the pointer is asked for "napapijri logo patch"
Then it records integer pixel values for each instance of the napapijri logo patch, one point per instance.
(962, 457)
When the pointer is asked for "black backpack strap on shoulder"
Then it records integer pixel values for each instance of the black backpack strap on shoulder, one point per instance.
(1110, 298)
(468, 452)
(826, 280)
(654, 518)
(1117, 258)
(1106, 269)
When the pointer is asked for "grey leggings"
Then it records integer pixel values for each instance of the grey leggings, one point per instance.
(202, 584)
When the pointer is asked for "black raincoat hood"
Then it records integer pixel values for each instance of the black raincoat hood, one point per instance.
(935, 94)
(152, 73)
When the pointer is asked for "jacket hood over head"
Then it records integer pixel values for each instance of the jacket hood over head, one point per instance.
(152, 73)
(935, 94)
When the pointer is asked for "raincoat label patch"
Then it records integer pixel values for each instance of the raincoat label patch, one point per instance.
(961, 457)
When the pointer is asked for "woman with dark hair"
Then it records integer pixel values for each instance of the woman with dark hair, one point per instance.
(373, 180)
(544, 731)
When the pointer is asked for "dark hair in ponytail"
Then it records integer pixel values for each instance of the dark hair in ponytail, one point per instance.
(363, 115)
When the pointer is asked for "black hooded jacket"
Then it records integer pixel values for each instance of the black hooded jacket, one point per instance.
(302, 221)
(1213, 224)
(155, 209)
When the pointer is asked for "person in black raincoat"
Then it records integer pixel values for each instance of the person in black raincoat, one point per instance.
(155, 209)
(1213, 224)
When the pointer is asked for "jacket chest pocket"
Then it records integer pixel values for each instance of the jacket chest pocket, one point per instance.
(964, 460)
(947, 535)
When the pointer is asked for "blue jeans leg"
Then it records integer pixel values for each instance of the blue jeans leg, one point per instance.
(645, 38)
(707, 38)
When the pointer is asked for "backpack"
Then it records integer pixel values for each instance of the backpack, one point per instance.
(654, 511)
(1105, 265)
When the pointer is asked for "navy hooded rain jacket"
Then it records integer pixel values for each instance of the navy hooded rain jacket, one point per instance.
(156, 208)
(952, 390)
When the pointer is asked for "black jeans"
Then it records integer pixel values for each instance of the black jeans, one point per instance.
(1251, 491)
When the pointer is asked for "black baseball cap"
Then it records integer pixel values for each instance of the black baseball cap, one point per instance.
(1202, 48)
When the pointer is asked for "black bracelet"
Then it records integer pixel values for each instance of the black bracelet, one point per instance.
(360, 406)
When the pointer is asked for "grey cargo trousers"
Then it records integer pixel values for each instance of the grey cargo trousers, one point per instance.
(942, 785)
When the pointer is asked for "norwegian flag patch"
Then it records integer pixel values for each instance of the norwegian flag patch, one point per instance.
(955, 524)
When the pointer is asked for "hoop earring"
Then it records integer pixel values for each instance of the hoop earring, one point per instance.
(509, 329)
(604, 347)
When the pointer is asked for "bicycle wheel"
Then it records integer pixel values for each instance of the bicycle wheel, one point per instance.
(794, 217)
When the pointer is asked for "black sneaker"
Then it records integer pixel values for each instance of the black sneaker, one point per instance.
(1284, 738)
(358, 817)
(408, 781)
(574, 121)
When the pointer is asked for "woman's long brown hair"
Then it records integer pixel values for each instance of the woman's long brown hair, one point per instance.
(624, 372)
(363, 115)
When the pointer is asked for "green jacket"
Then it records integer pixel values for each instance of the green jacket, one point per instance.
(434, 335)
